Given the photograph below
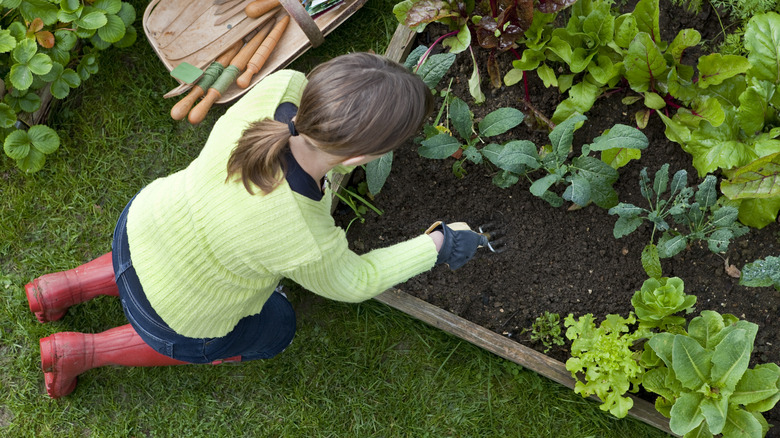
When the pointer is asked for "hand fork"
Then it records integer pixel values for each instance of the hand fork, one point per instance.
(495, 237)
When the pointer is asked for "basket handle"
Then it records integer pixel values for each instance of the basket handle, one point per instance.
(304, 20)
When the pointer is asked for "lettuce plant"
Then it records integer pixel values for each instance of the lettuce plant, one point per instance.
(700, 214)
(604, 356)
(48, 46)
(704, 384)
(658, 300)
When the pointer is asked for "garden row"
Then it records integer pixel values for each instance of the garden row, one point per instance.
(722, 112)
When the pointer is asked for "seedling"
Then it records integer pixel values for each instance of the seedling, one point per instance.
(547, 330)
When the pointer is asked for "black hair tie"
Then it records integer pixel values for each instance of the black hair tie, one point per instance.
(291, 127)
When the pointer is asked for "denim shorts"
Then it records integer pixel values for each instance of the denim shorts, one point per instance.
(259, 336)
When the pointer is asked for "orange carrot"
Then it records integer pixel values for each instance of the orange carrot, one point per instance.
(263, 52)
(260, 7)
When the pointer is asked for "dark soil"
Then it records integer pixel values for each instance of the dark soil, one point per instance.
(559, 260)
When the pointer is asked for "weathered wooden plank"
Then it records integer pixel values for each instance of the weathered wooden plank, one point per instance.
(401, 44)
(506, 348)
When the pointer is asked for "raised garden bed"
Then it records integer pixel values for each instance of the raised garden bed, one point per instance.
(557, 260)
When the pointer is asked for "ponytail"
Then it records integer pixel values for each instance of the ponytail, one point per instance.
(259, 156)
(354, 104)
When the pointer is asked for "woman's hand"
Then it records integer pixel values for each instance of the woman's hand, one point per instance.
(458, 243)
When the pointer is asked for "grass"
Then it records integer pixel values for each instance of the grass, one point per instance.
(352, 371)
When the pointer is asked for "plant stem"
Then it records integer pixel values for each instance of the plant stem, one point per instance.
(428, 52)
(538, 114)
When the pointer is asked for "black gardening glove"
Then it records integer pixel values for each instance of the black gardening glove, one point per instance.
(460, 243)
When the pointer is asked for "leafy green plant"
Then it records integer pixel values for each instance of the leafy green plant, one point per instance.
(657, 302)
(495, 25)
(357, 203)
(762, 273)
(586, 178)
(741, 97)
(431, 69)
(51, 47)
(602, 50)
(441, 138)
(703, 380)
(605, 357)
(546, 329)
(585, 45)
(703, 218)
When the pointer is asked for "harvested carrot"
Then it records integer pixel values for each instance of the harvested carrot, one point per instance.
(263, 52)
(260, 7)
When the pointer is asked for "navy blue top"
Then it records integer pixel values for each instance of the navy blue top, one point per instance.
(300, 181)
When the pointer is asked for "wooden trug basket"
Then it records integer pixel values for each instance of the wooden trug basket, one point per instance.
(186, 31)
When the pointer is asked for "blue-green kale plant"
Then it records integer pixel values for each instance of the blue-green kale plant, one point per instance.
(762, 273)
(698, 216)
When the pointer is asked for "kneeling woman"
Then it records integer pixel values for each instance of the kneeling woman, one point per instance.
(198, 255)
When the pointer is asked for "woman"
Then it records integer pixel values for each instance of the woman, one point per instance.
(198, 255)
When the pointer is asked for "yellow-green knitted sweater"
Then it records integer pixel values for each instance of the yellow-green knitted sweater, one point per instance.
(208, 253)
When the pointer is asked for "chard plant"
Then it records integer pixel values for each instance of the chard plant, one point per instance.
(704, 382)
(657, 302)
(494, 25)
(740, 97)
(51, 47)
(697, 212)
(603, 49)
(762, 273)
(605, 359)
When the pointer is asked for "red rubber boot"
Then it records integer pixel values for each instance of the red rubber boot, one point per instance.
(51, 295)
(66, 355)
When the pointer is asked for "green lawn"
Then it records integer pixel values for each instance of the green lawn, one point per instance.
(353, 370)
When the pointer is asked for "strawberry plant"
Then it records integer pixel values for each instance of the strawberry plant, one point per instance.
(48, 47)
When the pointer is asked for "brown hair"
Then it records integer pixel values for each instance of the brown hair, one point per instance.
(355, 104)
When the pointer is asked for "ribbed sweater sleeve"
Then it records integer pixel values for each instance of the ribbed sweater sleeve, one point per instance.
(343, 275)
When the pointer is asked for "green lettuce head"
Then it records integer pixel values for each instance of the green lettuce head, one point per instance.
(658, 300)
